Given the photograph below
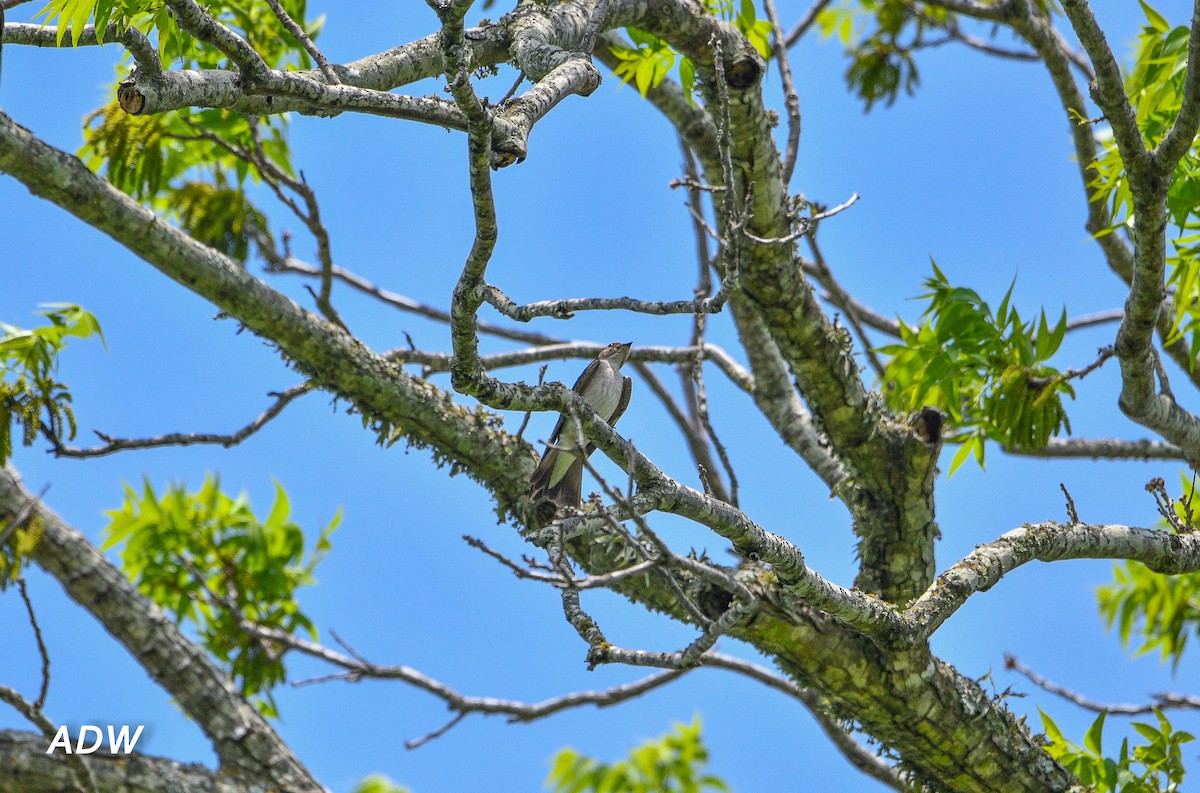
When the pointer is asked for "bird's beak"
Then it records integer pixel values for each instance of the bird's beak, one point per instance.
(628, 349)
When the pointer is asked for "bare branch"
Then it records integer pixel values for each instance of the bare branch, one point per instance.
(144, 53)
(441, 362)
(587, 582)
(697, 443)
(566, 308)
(186, 438)
(358, 668)
(701, 411)
(790, 98)
(1103, 449)
(41, 644)
(1162, 701)
(806, 22)
(842, 300)
(990, 48)
(82, 779)
(305, 41)
(1098, 318)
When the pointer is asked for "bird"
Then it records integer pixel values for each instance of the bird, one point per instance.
(559, 476)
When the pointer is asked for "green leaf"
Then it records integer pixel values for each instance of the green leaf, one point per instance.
(1094, 737)
(687, 78)
(1156, 20)
(206, 558)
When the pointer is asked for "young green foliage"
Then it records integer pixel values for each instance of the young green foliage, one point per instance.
(190, 165)
(652, 59)
(378, 783)
(1160, 758)
(646, 64)
(183, 165)
(986, 369)
(208, 560)
(1163, 610)
(880, 37)
(1155, 88)
(19, 548)
(30, 396)
(672, 763)
(255, 22)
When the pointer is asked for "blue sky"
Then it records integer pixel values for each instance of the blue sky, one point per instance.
(974, 171)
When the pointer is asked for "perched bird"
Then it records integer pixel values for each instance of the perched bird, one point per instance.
(559, 476)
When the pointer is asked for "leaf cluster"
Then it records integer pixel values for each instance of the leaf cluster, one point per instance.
(255, 22)
(880, 37)
(20, 547)
(30, 396)
(209, 561)
(1162, 611)
(191, 166)
(1154, 85)
(652, 58)
(378, 783)
(672, 763)
(986, 369)
(1160, 758)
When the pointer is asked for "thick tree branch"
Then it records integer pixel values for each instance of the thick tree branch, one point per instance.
(332, 358)
(29, 769)
(1103, 449)
(145, 55)
(81, 777)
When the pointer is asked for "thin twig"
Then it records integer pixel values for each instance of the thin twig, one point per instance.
(305, 41)
(186, 438)
(1161, 701)
(805, 22)
(587, 582)
(82, 778)
(1072, 513)
(41, 644)
(791, 99)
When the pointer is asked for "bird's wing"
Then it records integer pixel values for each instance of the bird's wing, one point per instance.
(626, 390)
(623, 402)
(588, 372)
(585, 375)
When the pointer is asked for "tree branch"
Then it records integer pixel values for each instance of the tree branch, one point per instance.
(29, 769)
(1103, 449)
(112, 445)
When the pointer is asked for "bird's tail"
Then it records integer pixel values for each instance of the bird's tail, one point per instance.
(566, 491)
